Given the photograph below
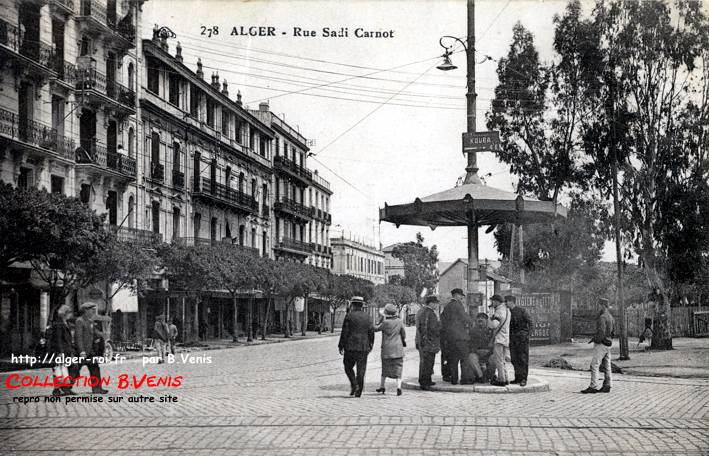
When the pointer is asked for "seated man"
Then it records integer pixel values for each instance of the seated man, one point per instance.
(480, 349)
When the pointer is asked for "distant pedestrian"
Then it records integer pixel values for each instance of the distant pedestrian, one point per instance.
(602, 342)
(454, 331)
(173, 334)
(500, 324)
(393, 343)
(356, 340)
(161, 336)
(428, 340)
(61, 347)
(520, 327)
(481, 349)
(87, 339)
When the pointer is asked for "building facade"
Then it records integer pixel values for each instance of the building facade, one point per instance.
(392, 266)
(357, 259)
(89, 110)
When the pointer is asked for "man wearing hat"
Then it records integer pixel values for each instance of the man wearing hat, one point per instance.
(356, 340)
(428, 342)
(500, 324)
(161, 336)
(602, 342)
(520, 327)
(454, 334)
(86, 337)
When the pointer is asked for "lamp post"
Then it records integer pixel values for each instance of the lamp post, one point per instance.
(471, 176)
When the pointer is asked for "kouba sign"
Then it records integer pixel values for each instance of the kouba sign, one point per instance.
(481, 141)
(544, 309)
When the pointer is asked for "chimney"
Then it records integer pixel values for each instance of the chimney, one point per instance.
(225, 88)
(156, 38)
(263, 106)
(200, 73)
(238, 98)
(178, 52)
(215, 81)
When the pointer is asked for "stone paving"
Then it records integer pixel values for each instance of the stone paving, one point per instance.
(292, 398)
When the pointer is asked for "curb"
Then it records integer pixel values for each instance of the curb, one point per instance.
(534, 385)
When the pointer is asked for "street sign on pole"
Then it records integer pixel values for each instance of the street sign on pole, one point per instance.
(481, 141)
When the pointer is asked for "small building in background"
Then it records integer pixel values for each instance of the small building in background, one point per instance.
(453, 275)
(392, 266)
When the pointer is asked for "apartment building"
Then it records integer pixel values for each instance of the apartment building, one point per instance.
(358, 259)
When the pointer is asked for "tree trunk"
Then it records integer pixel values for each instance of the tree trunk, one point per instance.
(250, 322)
(286, 321)
(195, 319)
(264, 328)
(320, 317)
(661, 331)
(332, 319)
(305, 316)
(235, 332)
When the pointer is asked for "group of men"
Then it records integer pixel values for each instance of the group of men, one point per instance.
(471, 343)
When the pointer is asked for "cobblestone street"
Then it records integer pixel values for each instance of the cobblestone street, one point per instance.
(292, 398)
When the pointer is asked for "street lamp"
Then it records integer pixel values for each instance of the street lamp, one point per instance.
(447, 65)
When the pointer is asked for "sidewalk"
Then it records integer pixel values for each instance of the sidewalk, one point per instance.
(689, 359)
(212, 344)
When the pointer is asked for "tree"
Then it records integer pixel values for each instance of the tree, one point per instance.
(419, 264)
(297, 280)
(394, 294)
(122, 265)
(341, 288)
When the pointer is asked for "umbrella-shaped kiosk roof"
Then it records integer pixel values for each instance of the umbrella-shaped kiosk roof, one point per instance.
(472, 204)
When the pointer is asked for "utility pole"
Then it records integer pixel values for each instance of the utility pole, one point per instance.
(624, 355)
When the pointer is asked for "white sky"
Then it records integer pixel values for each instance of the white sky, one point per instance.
(398, 152)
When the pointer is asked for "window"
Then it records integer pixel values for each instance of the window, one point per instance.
(213, 229)
(85, 193)
(237, 130)
(153, 77)
(262, 146)
(253, 237)
(225, 122)
(25, 178)
(253, 188)
(85, 45)
(131, 76)
(175, 223)
(278, 145)
(57, 184)
(241, 182)
(196, 224)
(156, 216)
(131, 212)
(131, 143)
(155, 148)
(252, 137)
(263, 244)
(194, 101)
(242, 234)
(210, 112)
(174, 89)
(176, 158)
(264, 194)
(112, 208)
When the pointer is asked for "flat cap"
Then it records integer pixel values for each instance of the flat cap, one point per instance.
(495, 298)
(510, 298)
(357, 300)
(87, 305)
(431, 298)
(603, 302)
(457, 291)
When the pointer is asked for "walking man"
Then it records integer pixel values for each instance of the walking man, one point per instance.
(161, 334)
(454, 329)
(356, 340)
(602, 342)
(500, 324)
(87, 338)
(520, 327)
(428, 333)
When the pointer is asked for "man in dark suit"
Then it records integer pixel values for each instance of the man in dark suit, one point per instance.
(428, 332)
(454, 333)
(86, 336)
(520, 327)
(356, 340)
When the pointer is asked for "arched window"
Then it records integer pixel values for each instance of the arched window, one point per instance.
(131, 76)
(131, 143)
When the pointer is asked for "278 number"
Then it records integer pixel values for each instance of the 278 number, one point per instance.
(209, 31)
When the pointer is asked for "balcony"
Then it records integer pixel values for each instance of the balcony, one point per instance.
(103, 92)
(66, 72)
(26, 52)
(294, 210)
(94, 20)
(198, 241)
(35, 136)
(178, 179)
(64, 6)
(213, 193)
(295, 247)
(135, 235)
(289, 168)
(321, 215)
(95, 157)
(157, 171)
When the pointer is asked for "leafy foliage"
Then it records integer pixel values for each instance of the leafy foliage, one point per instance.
(395, 294)
(419, 264)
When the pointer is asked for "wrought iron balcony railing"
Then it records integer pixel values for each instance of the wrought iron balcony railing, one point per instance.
(126, 234)
(36, 134)
(91, 79)
(95, 10)
(293, 244)
(178, 179)
(228, 195)
(293, 207)
(65, 71)
(281, 162)
(157, 171)
(28, 46)
(197, 241)
(92, 153)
